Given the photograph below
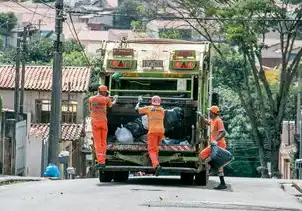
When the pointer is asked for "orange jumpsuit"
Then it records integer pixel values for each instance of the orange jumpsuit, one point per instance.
(98, 107)
(156, 131)
(216, 126)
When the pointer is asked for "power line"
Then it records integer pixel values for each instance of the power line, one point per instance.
(79, 42)
(21, 5)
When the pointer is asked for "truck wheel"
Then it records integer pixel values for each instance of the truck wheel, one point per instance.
(121, 176)
(187, 178)
(201, 178)
(105, 176)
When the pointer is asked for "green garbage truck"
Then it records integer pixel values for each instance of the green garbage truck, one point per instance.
(179, 72)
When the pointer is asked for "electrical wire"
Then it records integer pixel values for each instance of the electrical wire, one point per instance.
(79, 42)
(21, 5)
(75, 35)
(160, 16)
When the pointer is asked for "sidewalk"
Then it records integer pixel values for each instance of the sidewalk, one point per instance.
(7, 179)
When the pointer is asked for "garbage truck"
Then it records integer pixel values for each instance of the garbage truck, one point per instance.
(179, 72)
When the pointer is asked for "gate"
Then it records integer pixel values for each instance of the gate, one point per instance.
(21, 137)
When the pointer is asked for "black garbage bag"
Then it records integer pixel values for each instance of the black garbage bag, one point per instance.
(173, 119)
(136, 128)
(220, 157)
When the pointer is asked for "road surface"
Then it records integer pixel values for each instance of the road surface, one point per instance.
(150, 194)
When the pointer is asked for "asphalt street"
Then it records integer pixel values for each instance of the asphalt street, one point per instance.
(146, 193)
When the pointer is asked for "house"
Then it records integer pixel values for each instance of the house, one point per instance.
(156, 28)
(37, 95)
(287, 148)
(72, 137)
(37, 103)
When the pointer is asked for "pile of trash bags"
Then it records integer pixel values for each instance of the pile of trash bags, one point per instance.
(132, 131)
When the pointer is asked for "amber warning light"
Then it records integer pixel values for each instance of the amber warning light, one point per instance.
(184, 65)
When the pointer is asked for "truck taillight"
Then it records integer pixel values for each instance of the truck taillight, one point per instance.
(180, 65)
(120, 64)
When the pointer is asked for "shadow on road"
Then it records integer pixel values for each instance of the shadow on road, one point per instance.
(161, 182)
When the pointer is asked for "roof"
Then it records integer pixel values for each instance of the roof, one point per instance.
(70, 132)
(170, 24)
(93, 35)
(40, 78)
(164, 41)
(43, 16)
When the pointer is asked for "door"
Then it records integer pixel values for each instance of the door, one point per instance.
(21, 140)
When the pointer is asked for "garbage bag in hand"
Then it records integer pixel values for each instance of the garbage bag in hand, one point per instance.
(124, 136)
(136, 128)
(173, 118)
(220, 157)
(52, 171)
(145, 121)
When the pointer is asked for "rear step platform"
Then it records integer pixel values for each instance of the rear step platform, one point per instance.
(149, 169)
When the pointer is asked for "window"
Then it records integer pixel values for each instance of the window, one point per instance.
(43, 109)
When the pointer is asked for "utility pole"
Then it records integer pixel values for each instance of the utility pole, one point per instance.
(24, 55)
(299, 115)
(17, 80)
(56, 108)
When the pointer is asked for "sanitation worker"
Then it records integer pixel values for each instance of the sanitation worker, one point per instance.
(216, 138)
(156, 128)
(98, 105)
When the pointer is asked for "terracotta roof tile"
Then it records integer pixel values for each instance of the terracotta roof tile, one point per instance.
(40, 78)
(70, 132)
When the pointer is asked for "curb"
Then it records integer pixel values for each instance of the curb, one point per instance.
(297, 187)
(11, 180)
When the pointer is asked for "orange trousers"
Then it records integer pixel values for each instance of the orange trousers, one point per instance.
(206, 152)
(154, 140)
(99, 132)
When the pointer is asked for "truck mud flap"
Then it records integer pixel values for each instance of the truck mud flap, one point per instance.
(149, 168)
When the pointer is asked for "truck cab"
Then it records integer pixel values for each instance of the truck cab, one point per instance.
(179, 72)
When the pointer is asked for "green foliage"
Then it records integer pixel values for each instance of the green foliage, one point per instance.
(41, 53)
(11, 20)
(1, 103)
(74, 58)
(170, 34)
(239, 138)
(127, 12)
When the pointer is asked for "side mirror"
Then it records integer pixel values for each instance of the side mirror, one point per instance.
(215, 99)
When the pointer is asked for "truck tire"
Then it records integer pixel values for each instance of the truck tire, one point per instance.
(121, 176)
(105, 176)
(201, 178)
(187, 178)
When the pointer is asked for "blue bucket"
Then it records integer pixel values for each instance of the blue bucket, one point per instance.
(220, 157)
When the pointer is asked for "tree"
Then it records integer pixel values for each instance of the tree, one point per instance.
(74, 58)
(244, 24)
(8, 21)
(41, 53)
(239, 139)
(11, 20)
(127, 12)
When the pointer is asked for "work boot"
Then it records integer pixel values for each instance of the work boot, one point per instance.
(221, 187)
(100, 166)
(157, 170)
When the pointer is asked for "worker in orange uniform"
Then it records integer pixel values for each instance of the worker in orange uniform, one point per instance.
(98, 105)
(217, 138)
(156, 130)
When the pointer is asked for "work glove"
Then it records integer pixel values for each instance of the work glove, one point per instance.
(213, 143)
(199, 113)
(140, 99)
(115, 97)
